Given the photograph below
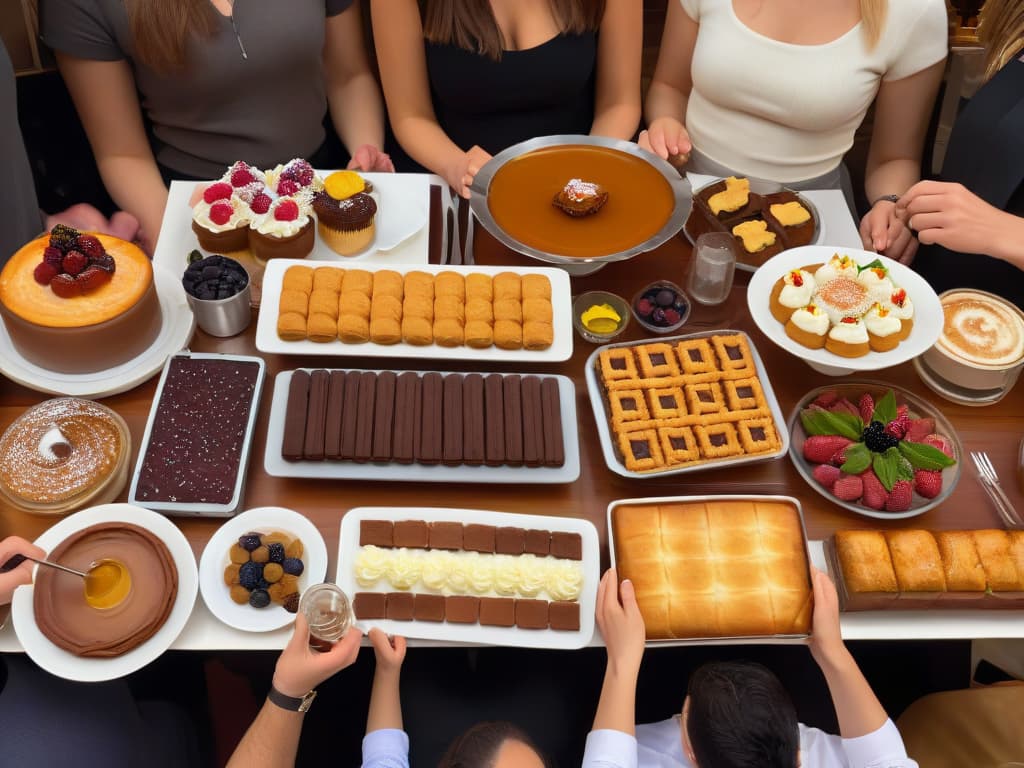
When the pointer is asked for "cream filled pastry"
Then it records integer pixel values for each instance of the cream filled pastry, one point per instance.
(878, 283)
(848, 338)
(837, 266)
(808, 326)
(883, 328)
(903, 308)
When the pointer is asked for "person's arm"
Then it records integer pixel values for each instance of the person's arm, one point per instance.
(669, 92)
(349, 82)
(398, 37)
(108, 106)
(957, 219)
(385, 701)
(619, 48)
(272, 740)
(902, 109)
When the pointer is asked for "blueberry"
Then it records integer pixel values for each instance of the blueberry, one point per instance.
(276, 550)
(293, 566)
(224, 293)
(249, 541)
(666, 297)
(259, 598)
(211, 272)
(250, 575)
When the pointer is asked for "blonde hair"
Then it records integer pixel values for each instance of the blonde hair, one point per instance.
(1002, 32)
(872, 16)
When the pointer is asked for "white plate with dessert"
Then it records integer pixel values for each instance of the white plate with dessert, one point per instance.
(455, 570)
(63, 663)
(855, 318)
(218, 556)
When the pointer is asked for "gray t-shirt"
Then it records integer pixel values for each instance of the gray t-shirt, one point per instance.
(264, 109)
(20, 219)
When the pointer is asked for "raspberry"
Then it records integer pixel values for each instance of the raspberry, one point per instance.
(671, 316)
(105, 262)
(242, 176)
(826, 475)
(875, 496)
(866, 407)
(53, 256)
(63, 237)
(287, 186)
(91, 246)
(287, 210)
(92, 278)
(900, 497)
(898, 427)
(218, 191)
(919, 429)
(74, 263)
(644, 307)
(65, 286)
(848, 488)
(261, 203)
(928, 482)
(821, 448)
(301, 171)
(221, 213)
(44, 273)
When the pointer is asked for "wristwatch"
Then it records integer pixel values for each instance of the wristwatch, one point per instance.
(890, 198)
(291, 703)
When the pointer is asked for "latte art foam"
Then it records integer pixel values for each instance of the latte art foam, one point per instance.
(981, 329)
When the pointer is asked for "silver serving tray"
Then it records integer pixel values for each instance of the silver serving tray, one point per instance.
(681, 190)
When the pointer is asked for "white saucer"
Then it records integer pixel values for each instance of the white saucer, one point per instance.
(962, 396)
(175, 332)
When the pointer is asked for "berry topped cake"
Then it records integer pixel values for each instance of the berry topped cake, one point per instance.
(580, 198)
(221, 219)
(285, 230)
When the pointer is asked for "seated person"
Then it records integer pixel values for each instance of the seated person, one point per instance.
(736, 715)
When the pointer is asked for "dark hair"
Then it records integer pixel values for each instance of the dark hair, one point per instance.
(740, 716)
(162, 29)
(471, 24)
(479, 746)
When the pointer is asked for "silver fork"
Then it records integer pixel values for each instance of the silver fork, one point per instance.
(990, 482)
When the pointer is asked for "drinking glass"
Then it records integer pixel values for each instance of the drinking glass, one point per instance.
(714, 263)
(329, 614)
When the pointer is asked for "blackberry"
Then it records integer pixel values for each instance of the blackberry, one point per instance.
(250, 575)
(276, 552)
(64, 237)
(293, 566)
(877, 439)
(259, 598)
(249, 541)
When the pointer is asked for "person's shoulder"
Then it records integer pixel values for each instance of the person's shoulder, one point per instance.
(90, 29)
(903, 12)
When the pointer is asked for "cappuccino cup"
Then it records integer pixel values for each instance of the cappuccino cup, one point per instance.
(981, 347)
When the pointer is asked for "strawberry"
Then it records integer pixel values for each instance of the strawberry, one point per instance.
(902, 411)
(261, 203)
(826, 398)
(65, 286)
(848, 488)
(44, 273)
(287, 186)
(221, 213)
(91, 246)
(219, 191)
(826, 475)
(53, 256)
(287, 210)
(821, 448)
(92, 278)
(919, 429)
(866, 407)
(843, 405)
(898, 427)
(242, 176)
(941, 442)
(900, 496)
(928, 482)
(875, 496)
(74, 262)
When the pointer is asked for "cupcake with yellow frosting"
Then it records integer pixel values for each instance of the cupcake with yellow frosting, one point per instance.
(346, 213)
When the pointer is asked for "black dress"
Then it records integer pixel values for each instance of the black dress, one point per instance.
(540, 91)
(986, 155)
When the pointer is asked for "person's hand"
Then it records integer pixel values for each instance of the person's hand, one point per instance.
(300, 669)
(621, 624)
(826, 640)
(85, 217)
(389, 651)
(462, 172)
(9, 547)
(883, 230)
(667, 138)
(951, 216)
(369, 158)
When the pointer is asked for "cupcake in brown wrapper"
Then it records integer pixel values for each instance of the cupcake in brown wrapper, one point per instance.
(284, 232)
(347, 226)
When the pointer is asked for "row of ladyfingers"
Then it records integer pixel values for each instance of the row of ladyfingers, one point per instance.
(384, 307)
(915, 562)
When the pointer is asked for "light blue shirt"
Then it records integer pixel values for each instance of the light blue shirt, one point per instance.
(386, 748)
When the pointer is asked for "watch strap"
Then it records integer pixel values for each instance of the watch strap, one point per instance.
(889, 198)
(291, 703)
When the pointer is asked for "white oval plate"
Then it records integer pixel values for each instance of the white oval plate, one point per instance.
(215, 559)
(64, 664)
(928, 315)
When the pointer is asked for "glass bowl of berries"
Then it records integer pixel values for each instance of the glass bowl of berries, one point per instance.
(875, 449)
(661, 307)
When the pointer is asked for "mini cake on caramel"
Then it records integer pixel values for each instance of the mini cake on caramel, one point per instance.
(346, 213)
(580, 198)
(78, 319)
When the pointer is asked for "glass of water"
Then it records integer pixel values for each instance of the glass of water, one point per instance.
(714, 263)
(328, 613)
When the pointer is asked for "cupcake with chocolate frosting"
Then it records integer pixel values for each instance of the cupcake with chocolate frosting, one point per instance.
(345, 213)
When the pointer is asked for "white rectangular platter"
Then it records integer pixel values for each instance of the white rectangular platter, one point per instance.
(268, 341)
(277, 466)
(476, 633)
(600, 406)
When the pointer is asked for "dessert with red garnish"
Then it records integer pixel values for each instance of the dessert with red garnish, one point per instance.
(78, 302)
(284, 231)
(580, 198)
(293, 177)
(221, 219)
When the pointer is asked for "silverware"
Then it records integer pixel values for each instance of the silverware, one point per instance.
(990, 482)
(17, 560)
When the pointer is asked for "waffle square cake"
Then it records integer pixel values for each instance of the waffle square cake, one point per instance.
(715, 567)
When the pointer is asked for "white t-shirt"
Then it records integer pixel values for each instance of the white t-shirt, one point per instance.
(785, 112)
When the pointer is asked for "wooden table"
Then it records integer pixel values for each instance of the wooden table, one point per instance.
(996, 429)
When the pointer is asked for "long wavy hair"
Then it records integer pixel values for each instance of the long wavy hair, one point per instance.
(1002, 32)
(161, 30)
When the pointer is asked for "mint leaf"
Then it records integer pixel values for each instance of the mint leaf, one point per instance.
(858, 458)
(884, 465)
(922, 456)
(904, 469)
(873, 265)
(885, 408)
(818, 421)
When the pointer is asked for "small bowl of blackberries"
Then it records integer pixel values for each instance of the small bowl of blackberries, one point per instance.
(661, 307)
(218, 292)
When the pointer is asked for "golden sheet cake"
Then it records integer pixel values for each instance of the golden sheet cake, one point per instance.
(672, 405)
(716, 567)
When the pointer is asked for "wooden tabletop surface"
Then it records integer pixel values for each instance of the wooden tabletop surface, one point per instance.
(996, 429)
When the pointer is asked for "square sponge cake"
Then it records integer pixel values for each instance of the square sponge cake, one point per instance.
(715, 568)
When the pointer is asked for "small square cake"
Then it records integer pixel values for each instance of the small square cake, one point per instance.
(378, 533)
(509, 541)
(460, 609)
(445, 535)
(478, 538)
(566, 545)
(428, 607)
(400, 606)
(497, 611)
(369, 605)
(532, 614)
(411, 533)
(564, 616)
(538, 542)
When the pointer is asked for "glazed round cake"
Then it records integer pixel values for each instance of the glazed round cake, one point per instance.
(85, 333)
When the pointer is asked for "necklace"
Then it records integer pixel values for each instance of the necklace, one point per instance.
(234, 26)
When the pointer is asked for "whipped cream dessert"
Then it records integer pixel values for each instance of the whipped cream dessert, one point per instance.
(798, 288)
(880, 321)
(811, 320)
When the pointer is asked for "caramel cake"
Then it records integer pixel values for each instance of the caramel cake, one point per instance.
(69, 622)
(715, 568)
(640, 200)
(85, 319)
(63, 454)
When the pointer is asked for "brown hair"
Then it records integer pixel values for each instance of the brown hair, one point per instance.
(1002, 31)
(471, 24)
(872, 16)
(161, 30)
(479, 746)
